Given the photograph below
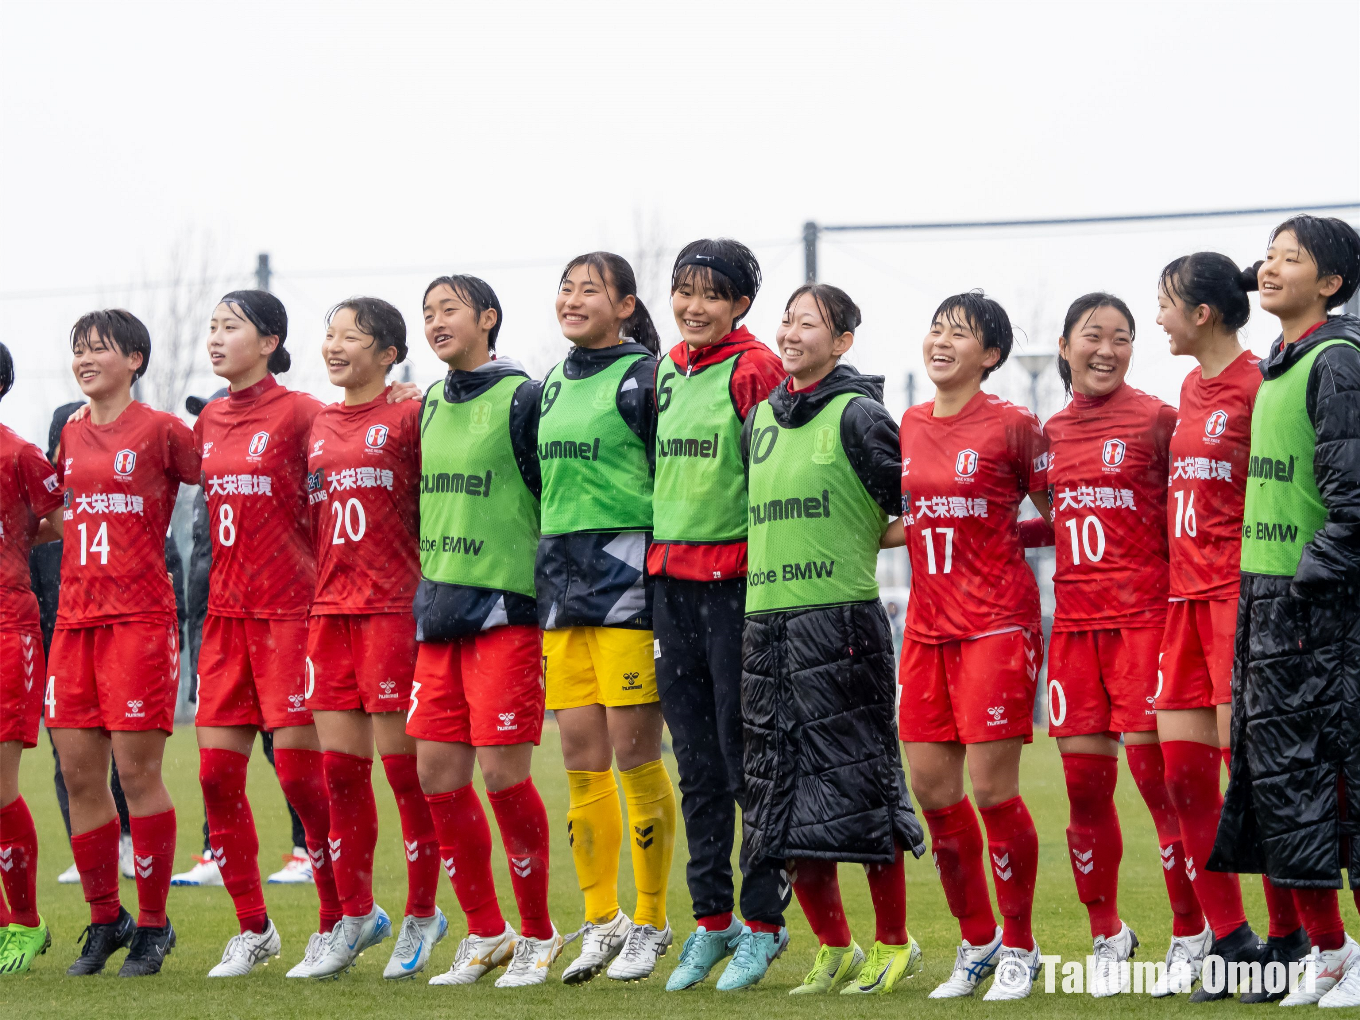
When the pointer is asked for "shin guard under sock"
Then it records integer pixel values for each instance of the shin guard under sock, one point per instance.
(1192, 779)
(465, 846)
(1013, 846)
(651, 821)
(523, 821)
(231, 832)
(354, 829)
(956, 845)
(1321, 913)
(19, 863)
(302, 774)
(153, 858)
(1094, 842)
(1148, 768)
(888, 890)
(419, 841)
(96, 854)
(595, 832)
(818, 889)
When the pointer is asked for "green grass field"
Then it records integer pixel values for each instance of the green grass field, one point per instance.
(204, 921)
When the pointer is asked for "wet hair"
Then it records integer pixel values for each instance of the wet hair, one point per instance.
(840, 314)
(6, 371)
(724, 266)
(475, 292)
(379, 320)
(618, 274)
(1335, 247)
(1208, 278)
(120, 328)
(266, 313)
(1078, 312)
(985, 317)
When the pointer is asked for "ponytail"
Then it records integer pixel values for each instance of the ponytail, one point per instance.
(639, 328)
(1208, 278)
(266, 313)
(618, 277)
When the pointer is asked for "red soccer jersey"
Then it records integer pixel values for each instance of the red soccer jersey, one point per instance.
(29, 491)
(1208, 480)
(254, 444)
(1106, 478)
(120, 482)
(363, 485)
(963, 479)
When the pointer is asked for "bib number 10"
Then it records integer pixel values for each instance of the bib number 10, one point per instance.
(350, 516)
(1091, 540)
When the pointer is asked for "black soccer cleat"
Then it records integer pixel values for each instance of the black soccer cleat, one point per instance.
(1241, 945)
(150, 947)
(101, 942)
(1287, 949)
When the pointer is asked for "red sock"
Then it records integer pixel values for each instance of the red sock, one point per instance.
(1284, 917)
(761, 927)
(1321, 913)
(1149, 775)
(1094, 841)
(1014, 848)
(354, 829)
(96, 854)
(153, 859)
(1192, 780)
(419, 842)
(302, 774)
(715, 922)
(888, 889)
(465, 848)
(956, 845)
(19, 863)
(523, 821)
(819, 894)
(231, 832)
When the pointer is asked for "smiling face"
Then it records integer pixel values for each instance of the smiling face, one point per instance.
(1185, 327)
(703, 315)
(1099, 353)
(235, 347)
(954, 354)
(1288, 279)
(455, 332)
(807, 344)
(101, 369)
(587, 310)
(352, 357)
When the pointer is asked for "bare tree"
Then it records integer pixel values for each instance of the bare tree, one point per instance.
(651, 264)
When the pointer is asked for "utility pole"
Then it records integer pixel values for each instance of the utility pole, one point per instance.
(810, 232)
(911, 389)
(262, 271)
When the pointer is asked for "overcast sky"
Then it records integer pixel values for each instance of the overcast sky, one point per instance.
(371, 146)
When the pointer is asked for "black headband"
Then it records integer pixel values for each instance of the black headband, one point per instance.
(720, 265)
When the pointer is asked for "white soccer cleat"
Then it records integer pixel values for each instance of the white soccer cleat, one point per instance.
(972, 965)
(1346, 992)
(71, 876)
(246, 951)
(1326, 967)
(204, 872)
(348, 940)
(1016, 970)
(643, 946)
(1184, 963)
(476, 955)
(316, 949)
(600, 943)
(531, 960)
(415, 943)
(297, 869)
(125, 863)
(1111, 974)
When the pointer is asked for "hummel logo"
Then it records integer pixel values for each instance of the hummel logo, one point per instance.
(1168, 857)
(998, 714)
(643, 836)
(936, 858)
(296, 701)
(1084, 862)
(571, 836)
(448, 865)
(1002, 866)
(388, 686)
(412, 849)
(145, 865)
(134, 709)
(1190, 868)
(6, 858)
(317, 857)
(507, 722)
(335, 848)
(785, 886)
(522, 866)
(219, 855)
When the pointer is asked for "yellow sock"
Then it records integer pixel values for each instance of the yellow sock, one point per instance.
(651, 816)
(595, 828)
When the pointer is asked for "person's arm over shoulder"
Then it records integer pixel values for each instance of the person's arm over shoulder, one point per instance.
(524, 414)
(1332, 558)
(40, 487)
(869, 436)
(756, 373)
(636, 402)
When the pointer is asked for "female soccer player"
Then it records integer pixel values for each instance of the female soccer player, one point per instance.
(706, 388)
(1106, 480)
(1202, 303)
(823, 775)
(596, 433)
(973, 643)
(113, 672)
(30, 513)
(363, 486)
(1295, 772)
(478, 691)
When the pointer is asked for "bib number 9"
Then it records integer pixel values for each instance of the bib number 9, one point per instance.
(351, 517)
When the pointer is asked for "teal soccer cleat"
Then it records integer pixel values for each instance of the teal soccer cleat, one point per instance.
(702, 952)
(755, 951)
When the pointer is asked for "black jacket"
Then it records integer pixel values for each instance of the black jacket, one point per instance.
(822, 767)
(1296, 668)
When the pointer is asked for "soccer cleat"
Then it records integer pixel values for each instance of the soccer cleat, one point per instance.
(1345, 992)
(1016, 970)
(1325, 968)
(316, 948)
(246, 950)
(702, 952)
(972, 965)
(531, 959)
(1110, 975)
(125, 864)
(753, 952)
(1284, 949)
(348, 940)
(150, 947)
(885, 966)
(643, 946)
(833, 966)
(600, 943)
(476, 955)
(71, 876)
(101, 942)
(20, 946)
(297, 869)
(204, 872)
(1184, 962)
(415, 943)
(1241, 945)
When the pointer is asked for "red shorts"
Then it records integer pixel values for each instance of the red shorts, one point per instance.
(360, 662)
(970, 691)
(22, 682)
(483, 689)
(118, 676)
(1197, 654)
(1103, 681)
(253, 673)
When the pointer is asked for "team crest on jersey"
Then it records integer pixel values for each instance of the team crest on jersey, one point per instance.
(257, 444)
(377, 435)
(966, 463)
(1216, 424)
(124, 461)
(824, 445)
(479, 417)
(1113, 452)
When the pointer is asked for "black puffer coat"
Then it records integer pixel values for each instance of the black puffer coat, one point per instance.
(822, 766)
(1296, 669)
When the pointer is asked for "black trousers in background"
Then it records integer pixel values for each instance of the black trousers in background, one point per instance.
(698, 626)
